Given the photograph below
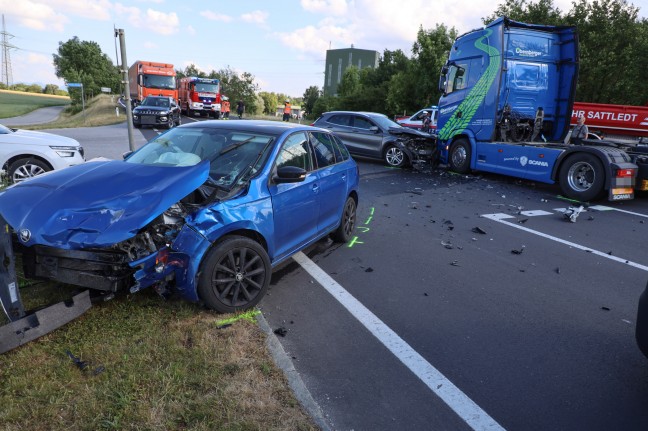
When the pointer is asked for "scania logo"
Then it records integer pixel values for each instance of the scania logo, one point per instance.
(25, 235)
(524, 160)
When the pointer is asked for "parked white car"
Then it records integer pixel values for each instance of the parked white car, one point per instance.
(25, 153)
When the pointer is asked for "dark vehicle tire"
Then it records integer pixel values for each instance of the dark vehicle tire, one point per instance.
(641, 333)
(170, 123)
(582, 177)
(459, 157)
(395, 157)
(344, 232)
(234, 275)
(137, 126)
(23, 169)
(217, 115)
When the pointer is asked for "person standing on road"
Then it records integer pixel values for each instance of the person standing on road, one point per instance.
(425, 125)
(580, 132)
(287, 111)
(226, 108)
(240, 108)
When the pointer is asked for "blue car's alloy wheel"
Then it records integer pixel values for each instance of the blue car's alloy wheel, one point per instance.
(235, 275)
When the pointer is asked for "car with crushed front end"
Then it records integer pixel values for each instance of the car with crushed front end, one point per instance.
(26, 153)
(162, 111)
(205, 210)
(372, 135)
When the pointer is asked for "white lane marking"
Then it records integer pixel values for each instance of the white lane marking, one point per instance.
(535, 213)
(463, 406)
(500, 219)
(604, 208)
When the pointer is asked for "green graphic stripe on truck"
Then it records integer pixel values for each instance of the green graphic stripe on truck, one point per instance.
(475, 97)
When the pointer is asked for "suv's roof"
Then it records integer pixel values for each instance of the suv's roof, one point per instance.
(370, 114)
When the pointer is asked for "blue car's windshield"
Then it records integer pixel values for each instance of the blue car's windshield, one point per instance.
(230, 152)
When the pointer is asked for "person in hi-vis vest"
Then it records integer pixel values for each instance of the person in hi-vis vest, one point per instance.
(287, 111)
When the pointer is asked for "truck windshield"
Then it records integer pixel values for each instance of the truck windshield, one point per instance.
(204, 87)
(159, 81)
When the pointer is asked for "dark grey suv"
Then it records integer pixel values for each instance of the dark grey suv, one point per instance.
(367, 134)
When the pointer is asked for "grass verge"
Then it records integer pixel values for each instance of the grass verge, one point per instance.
(151, 365)
(99, 111)
(15, 103)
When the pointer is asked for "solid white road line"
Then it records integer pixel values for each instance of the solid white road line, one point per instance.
(500, 219)
(606, 208)
(463, 406)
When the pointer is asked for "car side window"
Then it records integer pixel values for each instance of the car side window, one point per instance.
(362, 123)
(324, 149)
(295, 152)
(341, 120)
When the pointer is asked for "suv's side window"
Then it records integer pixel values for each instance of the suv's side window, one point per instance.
(341, 120)
(362, 123)
(295, 152)
(324, 149)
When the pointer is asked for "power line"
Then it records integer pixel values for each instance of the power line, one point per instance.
(6, 75)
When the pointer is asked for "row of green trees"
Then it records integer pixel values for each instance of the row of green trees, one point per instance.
(613, 60)
(34, 88)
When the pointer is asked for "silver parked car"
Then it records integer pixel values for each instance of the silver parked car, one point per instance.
(369, 134)
(25, 153)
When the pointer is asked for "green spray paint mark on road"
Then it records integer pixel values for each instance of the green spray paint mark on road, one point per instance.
(364, 228)
(476, 96)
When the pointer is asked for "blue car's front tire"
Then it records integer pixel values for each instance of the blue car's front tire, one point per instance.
(234, 275)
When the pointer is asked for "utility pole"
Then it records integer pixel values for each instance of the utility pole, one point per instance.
(127, 99)
(6, 74)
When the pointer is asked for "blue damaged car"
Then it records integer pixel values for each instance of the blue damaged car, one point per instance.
(205, 210)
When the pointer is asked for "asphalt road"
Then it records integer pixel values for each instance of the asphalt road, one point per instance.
(39, 116)
(464, 302)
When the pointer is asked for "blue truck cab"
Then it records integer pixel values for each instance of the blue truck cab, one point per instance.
(507, 96)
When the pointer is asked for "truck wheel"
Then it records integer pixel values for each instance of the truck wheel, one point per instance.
(582, 177)
(395, 157)
(459, 157)
(234, 275)
(23, 169)
(347, 222)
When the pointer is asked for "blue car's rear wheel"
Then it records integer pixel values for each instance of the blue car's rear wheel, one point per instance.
(347, 222)
(235, 275)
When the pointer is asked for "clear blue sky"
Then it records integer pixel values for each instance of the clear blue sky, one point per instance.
(282, 43)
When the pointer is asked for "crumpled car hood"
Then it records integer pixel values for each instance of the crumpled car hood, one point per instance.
(96, 204)
(396, 131)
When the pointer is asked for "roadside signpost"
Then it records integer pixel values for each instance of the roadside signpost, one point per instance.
(78, 85)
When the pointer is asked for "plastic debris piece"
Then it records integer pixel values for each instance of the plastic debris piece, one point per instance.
(82, 365)
(605, 308)
(524, 220)
(454, 263)
(416, 192)
(370, 269)
(281, 331)
(590, 218)
(518, 251)
(477, 229)
(447, 244)
(572, 213)
(557, 270)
